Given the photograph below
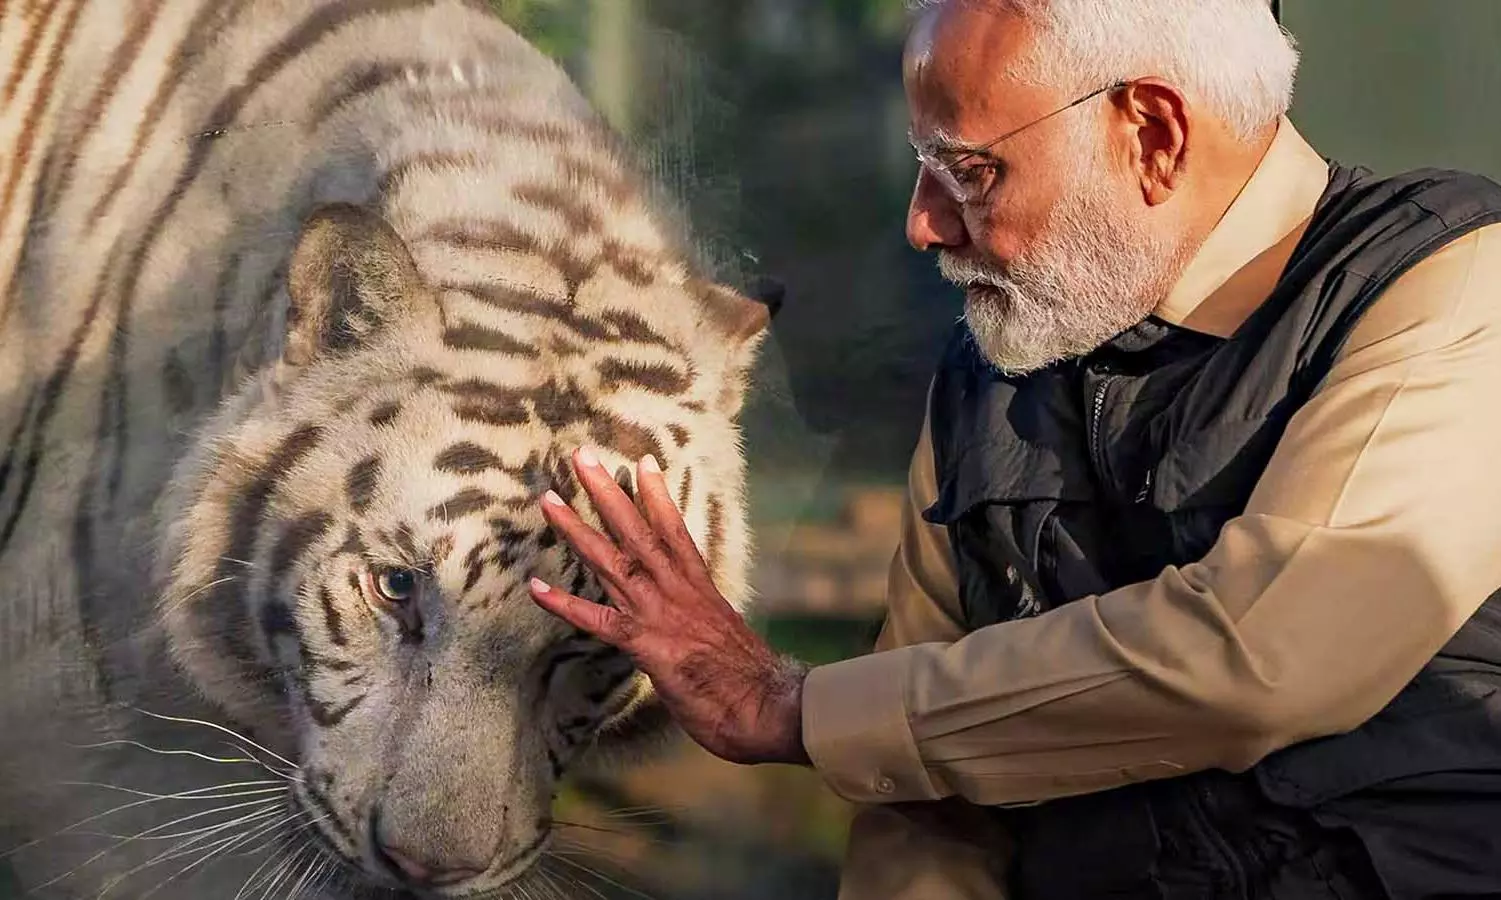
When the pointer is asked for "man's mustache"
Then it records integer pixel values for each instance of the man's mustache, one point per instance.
(967, 273)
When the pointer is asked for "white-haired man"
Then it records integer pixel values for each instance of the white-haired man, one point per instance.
(1197, 595)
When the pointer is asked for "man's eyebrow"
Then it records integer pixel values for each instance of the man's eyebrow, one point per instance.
(941, 141)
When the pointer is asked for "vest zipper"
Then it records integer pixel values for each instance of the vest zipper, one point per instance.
(1096, 440)
(1097, 443)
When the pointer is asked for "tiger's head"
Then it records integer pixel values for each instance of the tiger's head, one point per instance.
(346, 551)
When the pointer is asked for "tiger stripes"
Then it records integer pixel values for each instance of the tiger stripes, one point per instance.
(303, 306)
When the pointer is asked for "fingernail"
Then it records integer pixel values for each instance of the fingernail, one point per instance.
(649, 464)
(587, 457)
(553, 498)
(540, 586)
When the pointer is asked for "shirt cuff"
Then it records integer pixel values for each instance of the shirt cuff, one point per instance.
(856, 732)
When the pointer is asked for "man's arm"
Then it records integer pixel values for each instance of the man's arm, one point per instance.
(951, 848)
(1371, 538)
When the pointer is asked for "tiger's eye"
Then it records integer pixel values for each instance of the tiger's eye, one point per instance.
(396, 585)
(393, 592)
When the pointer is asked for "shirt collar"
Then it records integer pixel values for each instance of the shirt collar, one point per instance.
(1240, 262)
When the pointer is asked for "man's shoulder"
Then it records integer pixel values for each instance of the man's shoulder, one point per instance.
(1452, 294)
(1445, 203)
(1386, 258)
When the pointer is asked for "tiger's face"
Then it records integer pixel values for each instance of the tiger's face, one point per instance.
(346, 558)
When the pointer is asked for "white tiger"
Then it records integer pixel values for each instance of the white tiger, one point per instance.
(303, 304)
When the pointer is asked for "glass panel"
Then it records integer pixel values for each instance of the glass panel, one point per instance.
(782, 126)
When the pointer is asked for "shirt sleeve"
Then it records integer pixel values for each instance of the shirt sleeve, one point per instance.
(922, 607)
(917, 851)
(1370, 539)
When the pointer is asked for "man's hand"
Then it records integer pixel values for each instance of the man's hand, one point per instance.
(727, 689)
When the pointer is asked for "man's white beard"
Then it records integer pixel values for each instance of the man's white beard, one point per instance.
(1094, 273)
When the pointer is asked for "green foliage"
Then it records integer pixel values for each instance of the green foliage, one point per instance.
(556, 27)
(819, 641)
(882, 17)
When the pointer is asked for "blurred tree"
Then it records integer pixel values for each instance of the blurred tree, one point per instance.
(612, 60)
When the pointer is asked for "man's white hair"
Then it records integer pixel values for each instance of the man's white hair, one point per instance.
(1230, 56)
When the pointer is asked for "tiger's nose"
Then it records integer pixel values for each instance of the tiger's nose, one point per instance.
(423, 872)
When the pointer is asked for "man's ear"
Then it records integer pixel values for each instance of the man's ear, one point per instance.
(1158, 113)
(351, 275)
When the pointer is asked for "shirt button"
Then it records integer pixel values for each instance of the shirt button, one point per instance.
(885, 785)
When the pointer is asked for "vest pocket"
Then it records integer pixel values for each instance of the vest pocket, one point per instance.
(997, 583)
(1218, 467)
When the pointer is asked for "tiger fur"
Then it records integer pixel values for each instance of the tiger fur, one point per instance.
(303, 305)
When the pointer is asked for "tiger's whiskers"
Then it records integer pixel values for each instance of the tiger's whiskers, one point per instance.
(563, 858)
(186, 847)
(196, 793)
(248, 758)
(266, 804)
(571, 880)
(236, 735)
(639, 834)
(252, 819)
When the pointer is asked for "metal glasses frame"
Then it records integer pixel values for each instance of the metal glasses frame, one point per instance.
(942, 172)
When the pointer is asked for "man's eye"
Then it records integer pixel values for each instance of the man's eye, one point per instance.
(972, 175)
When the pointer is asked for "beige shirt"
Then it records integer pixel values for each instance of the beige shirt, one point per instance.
(1372, 536)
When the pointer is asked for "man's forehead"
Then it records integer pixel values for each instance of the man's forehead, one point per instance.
(957, 67)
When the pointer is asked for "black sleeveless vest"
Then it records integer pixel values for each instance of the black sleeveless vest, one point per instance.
(1101, 472)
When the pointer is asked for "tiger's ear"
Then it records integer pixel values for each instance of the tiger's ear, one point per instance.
(741, 324)
(769, 291)
(733, 316)
(351, 274)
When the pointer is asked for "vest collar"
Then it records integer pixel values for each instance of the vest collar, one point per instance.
(1240, 262)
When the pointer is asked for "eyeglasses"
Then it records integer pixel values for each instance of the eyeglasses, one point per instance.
(964, 185)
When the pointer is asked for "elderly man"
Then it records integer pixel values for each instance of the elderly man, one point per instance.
(1196, 596)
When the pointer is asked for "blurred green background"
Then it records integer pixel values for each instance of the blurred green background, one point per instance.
(781, 125)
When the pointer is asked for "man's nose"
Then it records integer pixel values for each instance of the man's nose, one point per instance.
(934, 221)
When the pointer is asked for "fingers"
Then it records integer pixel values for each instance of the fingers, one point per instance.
(601, 621)
(598, 551)
(619, 513)
(665, 519)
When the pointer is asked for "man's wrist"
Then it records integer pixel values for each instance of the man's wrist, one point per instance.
(793, 673)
